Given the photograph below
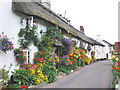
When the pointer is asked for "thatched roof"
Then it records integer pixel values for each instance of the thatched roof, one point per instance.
(36, 9)
(96, 42)
(107, 42)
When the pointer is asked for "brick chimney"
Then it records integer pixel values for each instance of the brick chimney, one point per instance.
(81, 29)
(117, 48)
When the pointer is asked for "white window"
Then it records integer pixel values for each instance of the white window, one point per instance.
(29, 21)
(27, 54)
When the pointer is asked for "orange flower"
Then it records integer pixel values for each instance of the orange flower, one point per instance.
(69, 61)
(73, 61)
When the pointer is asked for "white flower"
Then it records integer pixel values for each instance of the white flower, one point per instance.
(71, 71)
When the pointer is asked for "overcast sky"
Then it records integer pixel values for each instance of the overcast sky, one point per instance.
(98, 17)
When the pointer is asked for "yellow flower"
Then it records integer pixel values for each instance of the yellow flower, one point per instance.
(32, 71)
(113, 57)
(40, 64)
(38, 81)
(39, 71)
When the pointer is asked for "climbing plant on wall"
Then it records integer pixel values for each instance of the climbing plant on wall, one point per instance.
(52, 34)
(29, 35)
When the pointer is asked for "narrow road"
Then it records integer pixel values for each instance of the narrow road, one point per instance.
(96, 75)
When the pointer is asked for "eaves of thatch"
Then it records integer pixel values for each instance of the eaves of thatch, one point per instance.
(36, 9)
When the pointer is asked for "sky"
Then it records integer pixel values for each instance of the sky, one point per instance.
(98, 17)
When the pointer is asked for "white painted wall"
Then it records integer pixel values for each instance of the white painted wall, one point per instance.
(103, 51)
(10, 24)
(99, 52)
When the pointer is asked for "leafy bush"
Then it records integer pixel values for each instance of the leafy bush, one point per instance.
(49, 68)
(20, 56)
(29, 74)
(4, 75)
(65, 65)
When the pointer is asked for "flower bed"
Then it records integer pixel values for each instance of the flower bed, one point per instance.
(116, 71)
(27, 75)
(20, 56)
(47, 65)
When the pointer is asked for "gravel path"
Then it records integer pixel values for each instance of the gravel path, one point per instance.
(96, 75)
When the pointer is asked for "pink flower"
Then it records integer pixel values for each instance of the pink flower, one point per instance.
(53, 59)
(56, 69)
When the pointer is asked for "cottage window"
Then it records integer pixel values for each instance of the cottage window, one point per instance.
(29, 21)
(27, 54)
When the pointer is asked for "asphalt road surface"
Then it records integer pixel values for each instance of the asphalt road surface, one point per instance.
(96, 75)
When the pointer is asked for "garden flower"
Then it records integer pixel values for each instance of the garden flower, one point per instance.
(24, 87)
(53, 59)
(56, 69)
(32, 71)
(16, 59)
(22, 53)
(116, 63)
(117, 68)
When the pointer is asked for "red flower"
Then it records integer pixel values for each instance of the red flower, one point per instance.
(22, 53)
(82, 56)
(75, 60)
(12, 47)
(16, 59)
(21, 49)
(24, 87)
(116, 68)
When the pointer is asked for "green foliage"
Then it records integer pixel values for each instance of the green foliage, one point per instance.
(64, 65)
(28, 36)
(40, 57)
(14, 86)
(116, 77)
(49, 62)
(47, 40)
(50, 71)
(4, 75)
(23, 76)
(20, 56)
(65, 70)
(49, 68)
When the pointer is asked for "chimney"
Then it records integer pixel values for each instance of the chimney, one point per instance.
(98, 38)
(81, 29)
(46, 3)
